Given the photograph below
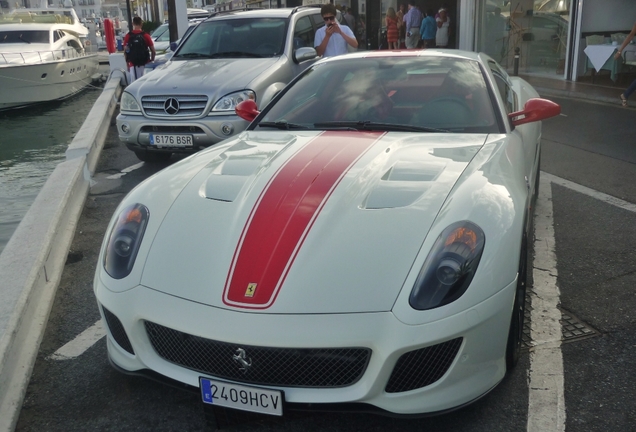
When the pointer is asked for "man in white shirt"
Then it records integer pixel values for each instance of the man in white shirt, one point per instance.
(332, 40)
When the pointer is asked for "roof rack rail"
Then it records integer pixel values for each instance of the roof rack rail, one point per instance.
(297, 8)
(236, 10)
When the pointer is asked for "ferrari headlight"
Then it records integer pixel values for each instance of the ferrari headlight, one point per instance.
(449, 267)
(124, 241)
(229, 102)
(128, 103)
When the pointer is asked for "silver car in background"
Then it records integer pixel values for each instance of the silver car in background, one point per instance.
(188, 103)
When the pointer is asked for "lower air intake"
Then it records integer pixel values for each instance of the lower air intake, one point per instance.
(422, 367)
(117, 331)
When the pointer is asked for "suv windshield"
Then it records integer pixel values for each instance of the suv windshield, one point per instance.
(426, 94)
(252, 37)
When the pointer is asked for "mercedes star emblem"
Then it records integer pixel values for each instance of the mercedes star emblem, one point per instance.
(171, 106)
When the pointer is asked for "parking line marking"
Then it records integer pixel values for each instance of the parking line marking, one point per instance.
(609, 199)
(81, 343)
(125, 171)
(546, 410)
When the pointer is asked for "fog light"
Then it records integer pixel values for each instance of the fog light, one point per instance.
(125, 128)
(227, 129)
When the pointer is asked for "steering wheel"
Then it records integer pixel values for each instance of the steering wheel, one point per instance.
(445, 111)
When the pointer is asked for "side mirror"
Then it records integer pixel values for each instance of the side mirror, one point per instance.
(247, 110)
(173, 46)
(535, 109)
(304, 54)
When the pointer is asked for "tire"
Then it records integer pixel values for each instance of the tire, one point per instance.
(515, 333)
(151, 157)
(537, 181)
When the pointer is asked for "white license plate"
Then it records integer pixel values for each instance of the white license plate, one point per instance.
(171, 140)
(245, 398)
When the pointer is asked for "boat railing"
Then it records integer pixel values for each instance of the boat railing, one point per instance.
(34, 57)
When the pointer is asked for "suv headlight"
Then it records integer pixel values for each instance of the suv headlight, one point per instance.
(128, 103)
(449, 267)
(229, 102)
(124, 240)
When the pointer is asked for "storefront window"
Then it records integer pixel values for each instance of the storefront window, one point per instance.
(539, 28)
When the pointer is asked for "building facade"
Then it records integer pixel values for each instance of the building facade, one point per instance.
(551, 35)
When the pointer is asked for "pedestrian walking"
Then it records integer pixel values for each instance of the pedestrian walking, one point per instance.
(392, 28)
(443, 29)
(401, 28)
(428, 29)
(138, 50)
(625, 95)
(412, 23)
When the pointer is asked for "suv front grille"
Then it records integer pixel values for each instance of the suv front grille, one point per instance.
(177, 106)
(288, 367)
(171, 129)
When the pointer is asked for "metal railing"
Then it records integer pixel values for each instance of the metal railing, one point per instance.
(35, 57)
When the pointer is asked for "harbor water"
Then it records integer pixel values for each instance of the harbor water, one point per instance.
(33, 141)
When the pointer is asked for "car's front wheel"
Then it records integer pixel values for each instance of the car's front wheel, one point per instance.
(147, 156)
(515, 334)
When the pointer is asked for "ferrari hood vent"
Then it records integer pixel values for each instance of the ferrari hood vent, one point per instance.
(403, 184)
(232, 169)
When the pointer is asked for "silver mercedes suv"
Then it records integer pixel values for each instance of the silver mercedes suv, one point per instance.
(188, 103)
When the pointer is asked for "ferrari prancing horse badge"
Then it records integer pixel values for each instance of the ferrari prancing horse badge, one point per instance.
(249, 292)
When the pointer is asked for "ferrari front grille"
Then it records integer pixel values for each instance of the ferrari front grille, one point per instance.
(287, 367)
(422, 367)
(117, 331)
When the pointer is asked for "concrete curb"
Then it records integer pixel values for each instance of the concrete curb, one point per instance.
(32, 262)
(90, 139)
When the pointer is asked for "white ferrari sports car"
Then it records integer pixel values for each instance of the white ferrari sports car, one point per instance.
(362, 245)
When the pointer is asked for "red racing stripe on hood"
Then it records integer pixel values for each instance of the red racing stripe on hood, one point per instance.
(284, 214)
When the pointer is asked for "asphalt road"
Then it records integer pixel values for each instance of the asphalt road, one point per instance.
(591, 145)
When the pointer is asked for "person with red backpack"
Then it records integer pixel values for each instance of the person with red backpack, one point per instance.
(138, 50)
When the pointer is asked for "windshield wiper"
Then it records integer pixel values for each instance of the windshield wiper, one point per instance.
(369, 125)
(282, 125)
(235, 54)
(194, 55)
(24, 40)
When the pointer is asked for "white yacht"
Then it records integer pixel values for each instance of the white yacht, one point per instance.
(42, 56)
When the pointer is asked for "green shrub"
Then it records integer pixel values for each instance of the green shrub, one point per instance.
(149, 26)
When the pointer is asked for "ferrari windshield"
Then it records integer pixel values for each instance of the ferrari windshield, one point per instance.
(427, 94)
(231, 38)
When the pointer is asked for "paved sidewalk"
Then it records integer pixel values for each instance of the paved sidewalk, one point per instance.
(600, 92)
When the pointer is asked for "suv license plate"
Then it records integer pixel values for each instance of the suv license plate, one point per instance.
(171, 140)
(245, 398)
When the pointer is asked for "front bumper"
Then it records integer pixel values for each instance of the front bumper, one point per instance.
(135, 130)
(478, 366)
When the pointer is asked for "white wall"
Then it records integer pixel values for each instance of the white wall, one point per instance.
(608, 15)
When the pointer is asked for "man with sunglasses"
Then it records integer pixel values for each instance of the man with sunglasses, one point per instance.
(332, 40)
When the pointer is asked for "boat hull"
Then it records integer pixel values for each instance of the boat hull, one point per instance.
(31, 83)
